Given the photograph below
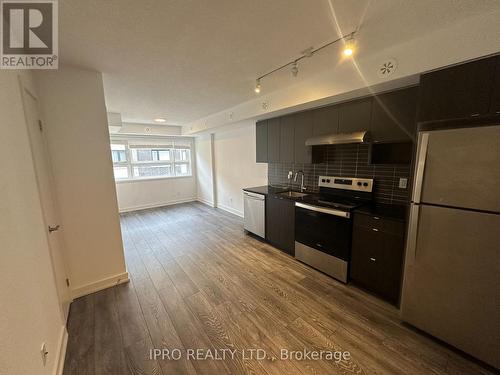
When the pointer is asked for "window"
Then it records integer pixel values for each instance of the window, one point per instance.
(144, 157)
(118, 153)
(182, 157)
(119, 156)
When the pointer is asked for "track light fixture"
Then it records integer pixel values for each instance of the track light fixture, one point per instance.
(347, 51)
(295, 69)
(257, 86)
(349, 46)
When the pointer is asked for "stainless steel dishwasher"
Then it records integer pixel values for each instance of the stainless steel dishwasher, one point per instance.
(255, 213)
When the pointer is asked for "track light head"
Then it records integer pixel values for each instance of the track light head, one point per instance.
(257, 86)
(295, 69)
(349, 46)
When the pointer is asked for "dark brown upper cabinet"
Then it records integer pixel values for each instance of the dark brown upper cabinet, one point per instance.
(355, 116)
(391, 153)
(462, 91)
(273, 140)
(303, 130)
(287, 139)
(394, 116)
(495, 97)
(261, 141)
(325, 121)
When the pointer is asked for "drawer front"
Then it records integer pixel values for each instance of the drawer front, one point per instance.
(364, 257)
(376, 261)
(379, 224)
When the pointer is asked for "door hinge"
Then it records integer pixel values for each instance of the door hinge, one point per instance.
(67, 282)
(40, 125)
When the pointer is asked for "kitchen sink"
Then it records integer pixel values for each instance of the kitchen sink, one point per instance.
(293, 194)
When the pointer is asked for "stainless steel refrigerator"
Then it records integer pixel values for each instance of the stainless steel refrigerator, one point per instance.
(451, 283)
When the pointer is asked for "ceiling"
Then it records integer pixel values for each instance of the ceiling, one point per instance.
(186, 59)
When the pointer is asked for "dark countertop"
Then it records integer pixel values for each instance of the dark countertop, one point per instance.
(266, 190)
(276, 190)
(388, 211)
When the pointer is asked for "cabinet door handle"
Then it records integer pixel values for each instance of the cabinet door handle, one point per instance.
(376, 218)
(373, 259)
(375, 229)
(474, 115)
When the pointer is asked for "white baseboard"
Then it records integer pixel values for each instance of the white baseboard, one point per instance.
(205, 201)
(230, 209)
(155, 205)
(100, 285)
(61, 354)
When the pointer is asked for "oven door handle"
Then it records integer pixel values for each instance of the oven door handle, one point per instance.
(328, 211)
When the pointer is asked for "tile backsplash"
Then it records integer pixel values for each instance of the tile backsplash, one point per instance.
(350, 160)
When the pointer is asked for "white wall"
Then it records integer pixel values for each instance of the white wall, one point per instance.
(234, 165)
(204, 169)
(136, 195)
(78, 142)
(30, 311)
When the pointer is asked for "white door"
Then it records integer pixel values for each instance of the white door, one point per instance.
(45, 186)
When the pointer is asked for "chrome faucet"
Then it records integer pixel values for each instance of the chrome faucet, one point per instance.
(302, 187)
(289, 177)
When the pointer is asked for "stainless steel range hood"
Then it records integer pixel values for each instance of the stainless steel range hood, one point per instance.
(337, 139)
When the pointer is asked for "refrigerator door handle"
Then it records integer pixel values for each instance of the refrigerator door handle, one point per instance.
(423, 142)
(411, 241)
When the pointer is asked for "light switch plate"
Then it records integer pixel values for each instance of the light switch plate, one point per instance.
(403, 183)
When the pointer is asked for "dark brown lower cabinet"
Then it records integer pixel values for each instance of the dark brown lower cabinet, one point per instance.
(280, 223)
(377, 255)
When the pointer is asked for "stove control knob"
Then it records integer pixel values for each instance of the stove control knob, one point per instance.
(359, 183)
(365, 183)
(323, 180)
(328, 180)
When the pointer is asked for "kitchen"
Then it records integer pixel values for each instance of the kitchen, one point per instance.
(396, 193)
(250, 187)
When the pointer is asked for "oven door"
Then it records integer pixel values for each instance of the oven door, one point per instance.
(323, 229)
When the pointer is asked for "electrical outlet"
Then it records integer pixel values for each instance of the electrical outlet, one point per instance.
(403, 183)
(44, 352)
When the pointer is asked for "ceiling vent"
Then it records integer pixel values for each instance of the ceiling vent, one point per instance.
(387, 68)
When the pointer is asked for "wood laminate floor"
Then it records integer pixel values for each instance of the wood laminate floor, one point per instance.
(199, 282)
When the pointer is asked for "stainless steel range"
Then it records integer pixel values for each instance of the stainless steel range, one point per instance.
(323, 223)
